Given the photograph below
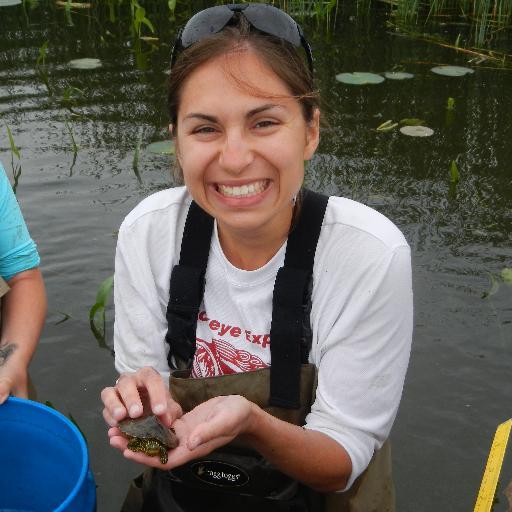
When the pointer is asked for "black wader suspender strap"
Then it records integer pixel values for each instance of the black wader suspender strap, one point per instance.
(187, 287)
(290, 332)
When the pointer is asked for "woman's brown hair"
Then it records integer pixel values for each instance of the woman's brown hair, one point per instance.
(279, 55)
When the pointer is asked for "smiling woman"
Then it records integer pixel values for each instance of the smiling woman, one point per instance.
(268, 325)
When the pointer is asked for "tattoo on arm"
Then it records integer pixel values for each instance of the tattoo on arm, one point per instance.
(6, 351)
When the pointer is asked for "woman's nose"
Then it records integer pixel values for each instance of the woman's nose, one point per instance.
(236, 153)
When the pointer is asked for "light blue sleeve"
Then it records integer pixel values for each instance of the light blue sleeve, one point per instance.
(18, 252)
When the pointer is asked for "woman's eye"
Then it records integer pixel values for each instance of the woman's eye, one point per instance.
(204, 129)
(265, 124)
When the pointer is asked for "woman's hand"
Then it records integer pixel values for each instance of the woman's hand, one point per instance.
(135, 394)
(23, 314)
(13, 375)
(210, 425)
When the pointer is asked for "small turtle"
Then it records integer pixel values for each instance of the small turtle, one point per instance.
(149, 436)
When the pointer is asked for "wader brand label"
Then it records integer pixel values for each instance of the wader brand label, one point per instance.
(220, 473)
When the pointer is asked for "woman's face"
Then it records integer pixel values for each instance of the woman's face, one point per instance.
(242, 155)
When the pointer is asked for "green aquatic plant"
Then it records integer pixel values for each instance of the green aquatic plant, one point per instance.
(15, 152)
(454, 172)
(41, 67)
(70, 95)
(506, 275)
(135, 163)
(486, 17)
(70, 416)
(139, 18)
(454, 179)
(73, 141)
(386, 126)
(41, 58)
(99, 309)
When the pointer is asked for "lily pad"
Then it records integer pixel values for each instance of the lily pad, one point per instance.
(86, 63)
(398, 75)
(452, 70)
(417, 131)
(161, 147)
(8, 3)
(359, 78)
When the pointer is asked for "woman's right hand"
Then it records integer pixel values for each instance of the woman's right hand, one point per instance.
(138, 393)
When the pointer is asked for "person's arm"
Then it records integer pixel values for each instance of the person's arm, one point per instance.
(23, 314)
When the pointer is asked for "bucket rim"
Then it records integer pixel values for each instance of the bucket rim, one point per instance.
(81, 441)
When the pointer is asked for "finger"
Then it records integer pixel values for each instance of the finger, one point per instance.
(127, 387)
(220, 428)
(112, 401)
(114, 431)
(109, 419)
(174, 411)
(119, 442)
(4, 391)
(157, 390)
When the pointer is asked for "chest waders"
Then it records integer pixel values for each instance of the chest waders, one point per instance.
(235, 476)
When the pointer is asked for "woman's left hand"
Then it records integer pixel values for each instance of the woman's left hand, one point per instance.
(208, 426)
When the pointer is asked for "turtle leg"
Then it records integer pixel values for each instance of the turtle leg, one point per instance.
(163, 455)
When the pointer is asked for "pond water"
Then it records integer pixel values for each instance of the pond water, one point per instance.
(458, 386)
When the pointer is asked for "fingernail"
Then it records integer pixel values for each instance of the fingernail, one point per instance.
(159, 409)
(134, 411)
(118, 412)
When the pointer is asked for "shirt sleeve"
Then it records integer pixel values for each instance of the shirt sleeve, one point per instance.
(18, 252)
(364, 319)
(140, 323)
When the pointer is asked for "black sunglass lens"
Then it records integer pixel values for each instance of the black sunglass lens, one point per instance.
(273, 21)
(205, 23)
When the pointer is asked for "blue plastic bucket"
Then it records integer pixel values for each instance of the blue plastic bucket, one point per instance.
(44, 463)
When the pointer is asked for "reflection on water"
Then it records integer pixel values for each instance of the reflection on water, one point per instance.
(457, 388)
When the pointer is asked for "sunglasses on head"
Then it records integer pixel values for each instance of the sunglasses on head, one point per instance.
(263, 17)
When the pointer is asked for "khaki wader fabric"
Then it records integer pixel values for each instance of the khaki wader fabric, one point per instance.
(373, 491)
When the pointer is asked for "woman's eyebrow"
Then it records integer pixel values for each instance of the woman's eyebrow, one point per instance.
(214, 119)
(267, 106)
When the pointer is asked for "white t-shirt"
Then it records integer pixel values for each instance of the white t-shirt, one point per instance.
(361, 314)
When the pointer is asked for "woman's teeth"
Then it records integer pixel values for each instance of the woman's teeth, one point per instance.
(243, 191)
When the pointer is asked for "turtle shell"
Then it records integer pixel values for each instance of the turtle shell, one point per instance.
(149, 428)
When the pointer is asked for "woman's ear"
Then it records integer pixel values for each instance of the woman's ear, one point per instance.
(312, 135)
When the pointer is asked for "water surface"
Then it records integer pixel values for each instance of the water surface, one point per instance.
(458, 386)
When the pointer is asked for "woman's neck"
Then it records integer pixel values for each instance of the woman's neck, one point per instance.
(252, 250)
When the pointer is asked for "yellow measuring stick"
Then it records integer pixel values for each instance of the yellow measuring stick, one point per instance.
(493, 468)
